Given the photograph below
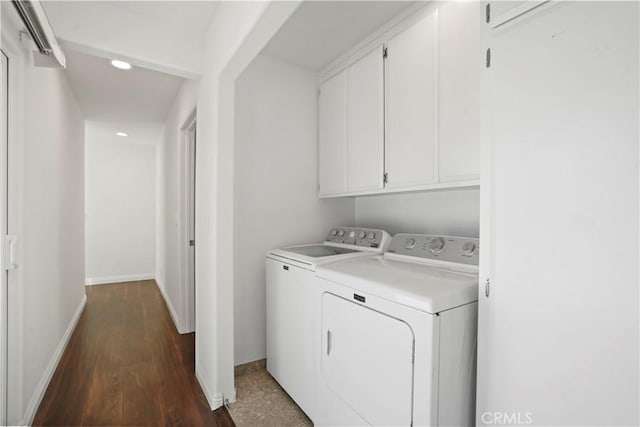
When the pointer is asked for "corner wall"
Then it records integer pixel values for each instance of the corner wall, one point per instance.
(237, 34)
(275, 186)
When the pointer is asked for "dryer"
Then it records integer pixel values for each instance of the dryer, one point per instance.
(290, 274)
(398, 335)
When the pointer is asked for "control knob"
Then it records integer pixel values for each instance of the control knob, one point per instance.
(362, 234)
(341, 233)
(334, 232)
(352, 234)
(436, 245)
(469, 248)
(410, 243)
(372, 236)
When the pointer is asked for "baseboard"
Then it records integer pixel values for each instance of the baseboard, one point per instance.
(41, 388)
(214, 400)
(117, 279)
(172, 311)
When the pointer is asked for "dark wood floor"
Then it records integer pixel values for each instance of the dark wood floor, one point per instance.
(126, 364)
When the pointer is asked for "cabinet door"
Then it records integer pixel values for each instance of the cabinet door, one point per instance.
(332, 138)
(460, 65)
(365, 123)
(290, 331)
(558, 333)
(367, 361)
(411, 146)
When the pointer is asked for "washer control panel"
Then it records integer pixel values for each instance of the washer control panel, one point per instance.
(364, 237)
(462, 250)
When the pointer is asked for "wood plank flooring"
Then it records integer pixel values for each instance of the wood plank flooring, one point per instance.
(126, 365)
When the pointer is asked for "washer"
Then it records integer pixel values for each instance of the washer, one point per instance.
(291, 305)
(398, 335)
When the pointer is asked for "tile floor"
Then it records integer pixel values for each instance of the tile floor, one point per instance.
(260, 401)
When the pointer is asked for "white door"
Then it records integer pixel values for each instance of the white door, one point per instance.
(558, 333)
(411, 77)
(332, 138)
(365, 123)
(367, 361)
(290, 331)
(191, 210)
(4, 129)
(460, 68)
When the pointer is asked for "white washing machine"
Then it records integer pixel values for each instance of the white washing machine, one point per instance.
(398, 335)
(291, 305)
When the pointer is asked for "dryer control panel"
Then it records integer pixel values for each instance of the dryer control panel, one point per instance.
(462, 250)
(363, 237)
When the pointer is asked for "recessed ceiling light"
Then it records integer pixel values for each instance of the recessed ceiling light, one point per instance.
(121, 64)
(122, 134)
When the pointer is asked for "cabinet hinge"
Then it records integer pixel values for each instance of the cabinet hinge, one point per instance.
(488, 13)
(384, 51)
(385, 178)
(488, 61)
(487, 287)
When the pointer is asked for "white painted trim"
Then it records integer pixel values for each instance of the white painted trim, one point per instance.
(172, 310)
(51, 367)
(214, 401)
(117, 279)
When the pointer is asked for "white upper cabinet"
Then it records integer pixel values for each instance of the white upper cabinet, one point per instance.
(365, 123)
(412, 116)
(411, 73)
(460, 64)
(332, 138)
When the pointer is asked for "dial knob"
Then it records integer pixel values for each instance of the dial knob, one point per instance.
(436, 245)
(410, 243)
(334, 232)
(341, 233)
(361, 235)
(352, 234)
(469, 248)
(372, 236)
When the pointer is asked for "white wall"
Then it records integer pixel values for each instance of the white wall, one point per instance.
(446, 212)
(275, 186)
(119, 206)
(237, 34)
(170, 271)
(47, 214)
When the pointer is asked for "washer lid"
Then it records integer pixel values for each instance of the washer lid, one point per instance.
(423, 287)
(318, 251)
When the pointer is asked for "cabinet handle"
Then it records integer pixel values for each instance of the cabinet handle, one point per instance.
(328, 342)
(487, 288)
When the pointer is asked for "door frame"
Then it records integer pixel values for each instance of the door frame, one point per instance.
(11, 45)
(187, 288)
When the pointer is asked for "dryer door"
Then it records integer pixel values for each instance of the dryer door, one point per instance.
(367, 361)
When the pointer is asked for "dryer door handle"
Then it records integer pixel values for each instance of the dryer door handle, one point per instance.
(328, 342)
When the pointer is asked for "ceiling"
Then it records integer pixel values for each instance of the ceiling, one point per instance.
(106, 93)
(320, 31)
(165, 36)
(139, 133)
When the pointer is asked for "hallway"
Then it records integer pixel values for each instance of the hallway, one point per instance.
(126, 365)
